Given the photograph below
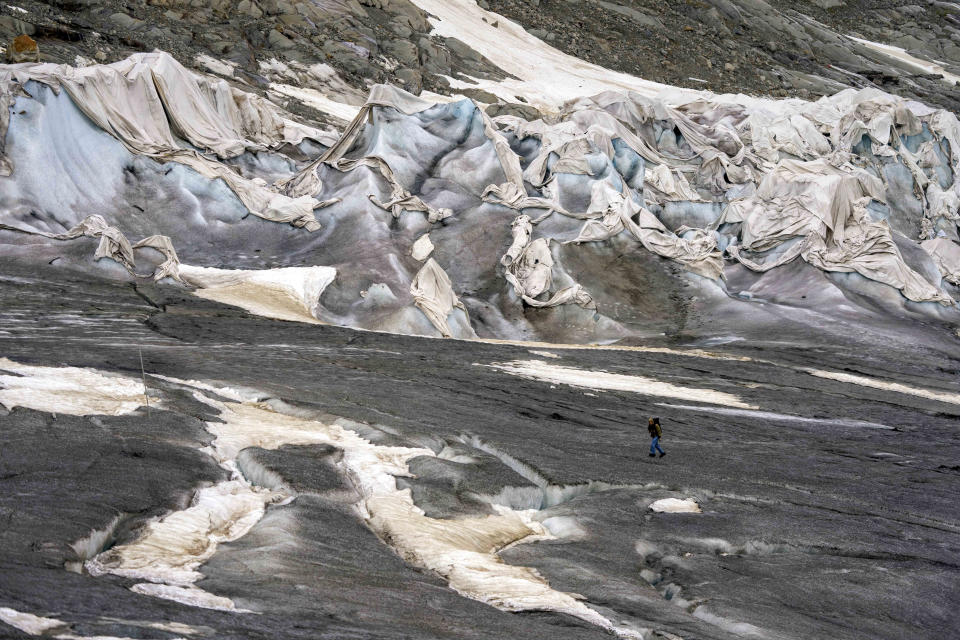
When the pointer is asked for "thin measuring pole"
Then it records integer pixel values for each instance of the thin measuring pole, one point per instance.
(143, 376)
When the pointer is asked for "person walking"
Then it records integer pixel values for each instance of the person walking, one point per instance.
(653, 426)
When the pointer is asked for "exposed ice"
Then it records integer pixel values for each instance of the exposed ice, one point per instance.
(602, 380)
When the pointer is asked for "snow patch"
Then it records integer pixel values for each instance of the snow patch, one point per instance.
(675, 505)
(220, 67)
(545, 354)
(544, 76)
(288, 293)
(464, 551)
(190, 596)
(69, 390)
(41, 626)
(873, 383)
(779, 417)
(172, 549)
(29, 623)
(602, 380)
(315, 99)
(898, 53)
(91, 544)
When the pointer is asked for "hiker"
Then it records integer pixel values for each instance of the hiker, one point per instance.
(653, 426)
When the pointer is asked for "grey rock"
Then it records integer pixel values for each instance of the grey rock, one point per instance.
(250, 8)
(279, 41)
(411, 79)
(404, 51)
(125, 21)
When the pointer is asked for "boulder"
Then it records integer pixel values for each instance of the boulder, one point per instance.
(404, 51)
(279, 41)
(250, 8)
(23, 49)
(410, 79)
(125, 21)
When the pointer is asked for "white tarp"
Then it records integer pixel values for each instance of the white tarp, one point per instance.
(946, 253)
(149, 100)
(433, 294)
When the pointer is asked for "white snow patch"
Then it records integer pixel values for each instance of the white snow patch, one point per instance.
(172, 549)
(90, 545)
(736, 628)
(29, 623)
(41, 626)
(602, 380)
(546, 76)
(863, 381)
(239, 394)
(220, 67)
(315, 99)
(544, 354)
(463, 551)
(555, 346)
(288, 293)
(564, 527)
(779, 417)
(69, 390)
(675, 505)
(900, 54)
(190, 596)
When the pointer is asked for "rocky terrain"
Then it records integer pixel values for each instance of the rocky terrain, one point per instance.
(776, 48)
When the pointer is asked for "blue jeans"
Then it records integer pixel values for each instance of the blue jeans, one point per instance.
(655, 445)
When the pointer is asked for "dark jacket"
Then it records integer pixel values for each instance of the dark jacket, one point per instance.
(654, 429)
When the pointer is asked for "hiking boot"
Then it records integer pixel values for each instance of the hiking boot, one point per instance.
(662, 453)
